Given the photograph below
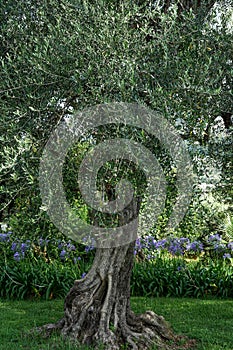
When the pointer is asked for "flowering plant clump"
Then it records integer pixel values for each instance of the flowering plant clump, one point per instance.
(5, 237)
(172, 266)
(147, 248)
(48, 249)
(183, 246)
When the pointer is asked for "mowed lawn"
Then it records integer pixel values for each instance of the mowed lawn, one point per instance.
(209, 321)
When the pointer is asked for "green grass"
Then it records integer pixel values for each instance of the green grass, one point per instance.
(208, 321)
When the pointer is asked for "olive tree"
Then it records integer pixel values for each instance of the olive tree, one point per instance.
(59, 58)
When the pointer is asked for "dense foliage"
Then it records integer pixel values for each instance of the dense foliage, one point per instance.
(60, 57)
(46, 268)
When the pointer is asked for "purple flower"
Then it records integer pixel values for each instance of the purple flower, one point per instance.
(88, 248)
(17, 256)
(175, 250)
(148, 241)
(70, 246)
(184, 240)
(175, 247)
(14, 246)
(83, 274)
(161, 244)
(63, 254)
(195, 246)
(24, 247)
(230, 245)
(4, 237)
(61, 245)
(76, 259)
(215, 237)
(219, 248)
(41, 242)
(226, 256)
(138, 244)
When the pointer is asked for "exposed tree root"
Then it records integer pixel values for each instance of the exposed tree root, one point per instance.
(97, 309)
(149, 329)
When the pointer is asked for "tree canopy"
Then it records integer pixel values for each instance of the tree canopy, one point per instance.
(59, 57)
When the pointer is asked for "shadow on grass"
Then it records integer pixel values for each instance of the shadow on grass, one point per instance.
(208, 321)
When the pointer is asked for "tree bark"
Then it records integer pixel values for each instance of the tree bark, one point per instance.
(97, 308)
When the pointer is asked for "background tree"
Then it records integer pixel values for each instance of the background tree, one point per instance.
(61, 57)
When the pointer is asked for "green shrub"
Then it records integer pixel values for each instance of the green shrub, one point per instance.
(178, 278)
(39, 279)
(160, 277)
(47, 268)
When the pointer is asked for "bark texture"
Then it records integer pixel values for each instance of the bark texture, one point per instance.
(97, 308)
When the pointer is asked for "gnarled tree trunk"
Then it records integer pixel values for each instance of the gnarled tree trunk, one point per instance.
(97, 308)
